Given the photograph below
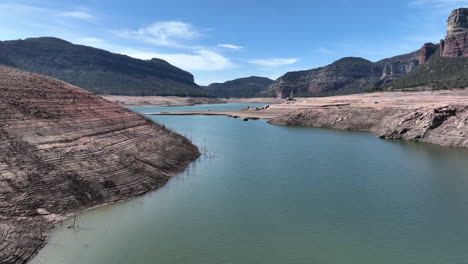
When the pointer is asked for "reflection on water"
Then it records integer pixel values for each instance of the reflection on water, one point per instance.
(272, 194)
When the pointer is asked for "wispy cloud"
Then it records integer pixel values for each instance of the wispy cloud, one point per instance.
(231, 46)
(165, 33)
(201, 60)
(324, 51)
(273, 62)
(82, 14)
(439, 3)
(183, 37)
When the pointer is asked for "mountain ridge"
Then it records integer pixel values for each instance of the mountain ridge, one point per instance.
(97, 70)
(344, 76)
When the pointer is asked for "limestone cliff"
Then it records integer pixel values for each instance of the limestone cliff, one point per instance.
(456, 41)
(344, 76)
(64, 149)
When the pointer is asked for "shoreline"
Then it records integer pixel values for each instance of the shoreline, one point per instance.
(50, 221)
(168, 101)
(436, 117)
(71, 151)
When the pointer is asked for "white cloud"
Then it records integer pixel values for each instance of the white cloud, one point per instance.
(80, 14)
(180, 35)
(273, 62)
(200, 60)
(165, 33)
(231, 46)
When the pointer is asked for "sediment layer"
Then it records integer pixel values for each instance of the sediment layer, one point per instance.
(434, 117)
(64, 149)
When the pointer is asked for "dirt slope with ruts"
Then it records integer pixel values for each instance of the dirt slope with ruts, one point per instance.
(64, 149)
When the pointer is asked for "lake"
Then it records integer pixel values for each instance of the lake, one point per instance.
(271, 194)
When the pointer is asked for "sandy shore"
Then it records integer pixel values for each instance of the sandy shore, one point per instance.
(180, 101)
(436, 117)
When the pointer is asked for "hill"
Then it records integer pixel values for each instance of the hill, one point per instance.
(344, 76)
(436, 74)
(239, 88)
(446, 65)
(97, 70)
(64, 149)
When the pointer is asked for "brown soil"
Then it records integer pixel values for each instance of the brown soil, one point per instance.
(63, 150)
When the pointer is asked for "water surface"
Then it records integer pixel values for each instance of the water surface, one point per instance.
(272, 194)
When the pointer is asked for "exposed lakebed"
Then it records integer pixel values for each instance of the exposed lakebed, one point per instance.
(274, 194)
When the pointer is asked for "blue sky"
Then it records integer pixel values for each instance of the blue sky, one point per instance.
(221, 40)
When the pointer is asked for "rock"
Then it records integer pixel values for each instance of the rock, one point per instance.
(456, 42)
(344, 76)
(442, 125)
(426, 51)
(42, 211)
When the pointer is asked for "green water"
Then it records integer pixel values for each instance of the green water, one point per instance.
(272, 194)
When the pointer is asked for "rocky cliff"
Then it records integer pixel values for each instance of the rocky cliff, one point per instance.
(345, 76)
(426, 51)
(97, 70)
(437, 73)
(443, 66)
(456, 42)
(239, 88)
(64, 149)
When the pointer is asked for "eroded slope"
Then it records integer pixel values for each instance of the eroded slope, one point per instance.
(64, 149)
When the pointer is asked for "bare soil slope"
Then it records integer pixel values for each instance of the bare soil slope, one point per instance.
(64, 149)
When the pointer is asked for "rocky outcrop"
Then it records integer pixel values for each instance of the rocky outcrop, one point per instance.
(456, 41)
(64, 149)
(443, 125)
(426, 51)
(345, 76)
(97, 70)
(393, 68)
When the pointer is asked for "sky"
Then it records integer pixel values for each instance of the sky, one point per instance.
(220, 40)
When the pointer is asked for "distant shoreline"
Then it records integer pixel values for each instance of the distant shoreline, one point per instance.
(162, 101)
(436, 117)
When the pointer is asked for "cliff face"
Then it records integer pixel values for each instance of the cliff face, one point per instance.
(456, 41)
(426, 51)
(444, 66)
(437, 72)
(393, 68)
(239, 88)
(64, 149)
(345, 76)
(97, 70)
